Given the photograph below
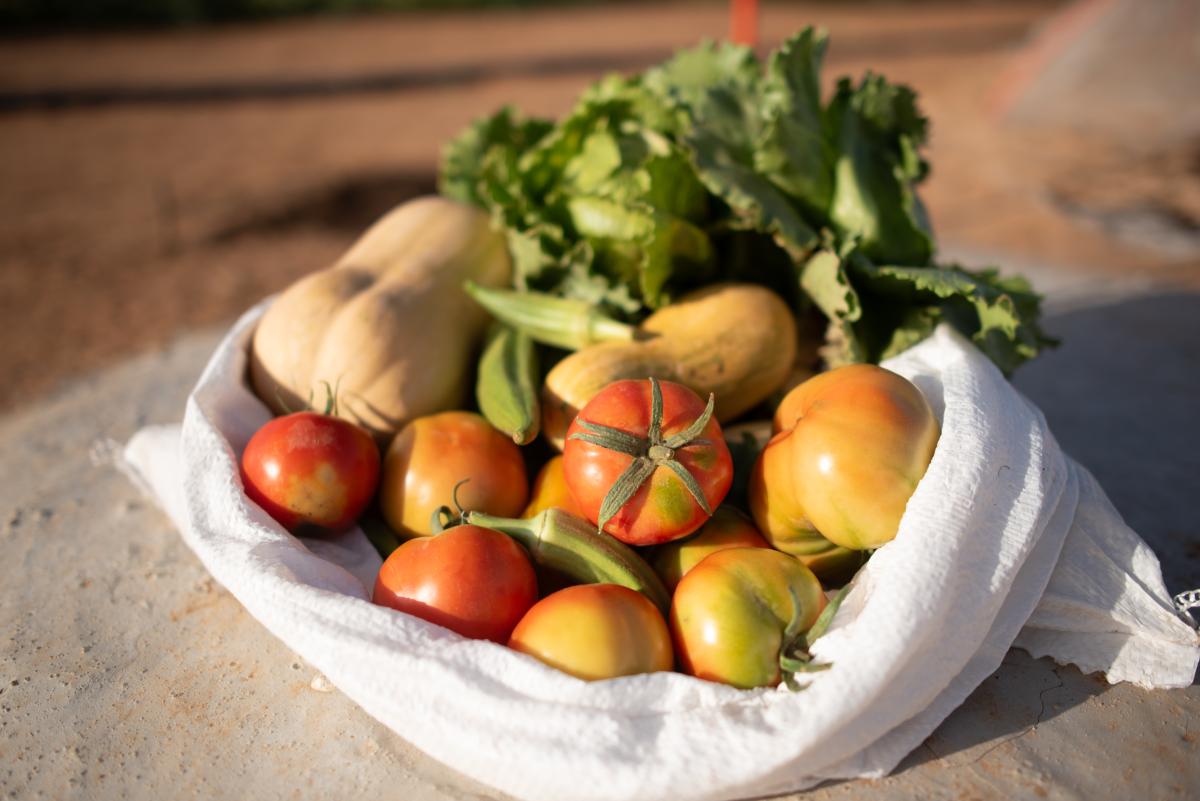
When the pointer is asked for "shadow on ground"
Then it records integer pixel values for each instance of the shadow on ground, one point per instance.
(1122, 396)
(1021, 695)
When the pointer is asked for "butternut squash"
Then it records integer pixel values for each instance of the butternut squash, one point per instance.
(737, 341)
(389, 326)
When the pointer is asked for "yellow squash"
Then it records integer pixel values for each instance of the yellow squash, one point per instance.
(738, 341)
(389, 326)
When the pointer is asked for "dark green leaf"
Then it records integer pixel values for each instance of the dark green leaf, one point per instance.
(874, 200)
(824, 280)
(795, 151)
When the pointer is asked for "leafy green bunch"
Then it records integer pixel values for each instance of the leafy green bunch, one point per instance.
(711, 168)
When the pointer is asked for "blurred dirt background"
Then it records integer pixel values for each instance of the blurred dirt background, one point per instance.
(153, 182)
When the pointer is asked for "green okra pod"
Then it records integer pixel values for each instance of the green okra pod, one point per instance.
(506, 385)
(561, 541)
(560, 322)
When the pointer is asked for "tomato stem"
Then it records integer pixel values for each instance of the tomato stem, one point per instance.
(795, 656)
(818, 628)
(649, 453)
(454, 497)
(282, 403)
(331, 397)
(442, 519)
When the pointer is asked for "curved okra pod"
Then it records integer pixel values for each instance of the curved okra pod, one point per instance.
(560, 322)
(567, 543)
(506, 385)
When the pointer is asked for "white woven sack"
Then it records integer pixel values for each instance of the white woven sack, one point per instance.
(1004, 542)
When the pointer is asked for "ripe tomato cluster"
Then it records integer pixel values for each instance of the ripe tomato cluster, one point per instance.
(628, 516)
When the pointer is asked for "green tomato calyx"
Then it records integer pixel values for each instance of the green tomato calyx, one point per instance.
(795, 658)
(660, 453)
(649, 453)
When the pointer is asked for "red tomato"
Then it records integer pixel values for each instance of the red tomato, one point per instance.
(596, 631)
(309, 469)
(617, 452)
(472, 580)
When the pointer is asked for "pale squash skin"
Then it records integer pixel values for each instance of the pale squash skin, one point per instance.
(738, 341)
(389, 325)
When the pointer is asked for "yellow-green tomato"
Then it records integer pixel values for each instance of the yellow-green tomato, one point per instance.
(793, 534)
(596, 631)
(727, 528)
(832, 564)
(734, 615)
(851, 446)
(550, 491)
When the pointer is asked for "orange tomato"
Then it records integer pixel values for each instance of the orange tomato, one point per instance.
(432, 454)
(596, 631)
(851, 446)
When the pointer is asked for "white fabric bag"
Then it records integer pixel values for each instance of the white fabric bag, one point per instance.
(1005, 542)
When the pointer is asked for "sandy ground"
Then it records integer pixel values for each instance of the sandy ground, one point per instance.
(151, 183)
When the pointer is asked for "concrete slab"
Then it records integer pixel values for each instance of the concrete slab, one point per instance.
(126, 672)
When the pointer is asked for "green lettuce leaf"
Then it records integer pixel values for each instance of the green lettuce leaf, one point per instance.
(876, 129)
(713, 167)
(824, 279)
(795, 151)
(463, 157)
(998, 314)
(718, 91)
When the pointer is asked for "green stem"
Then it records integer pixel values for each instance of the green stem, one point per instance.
(606, 329)
(570, 545)
(795, 655)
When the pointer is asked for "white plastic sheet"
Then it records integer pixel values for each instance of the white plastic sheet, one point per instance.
(1005, 542)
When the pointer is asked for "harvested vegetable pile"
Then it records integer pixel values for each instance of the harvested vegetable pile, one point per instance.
(668, 246)
(710, 168)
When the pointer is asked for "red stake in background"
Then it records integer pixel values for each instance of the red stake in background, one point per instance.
(743, 22)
